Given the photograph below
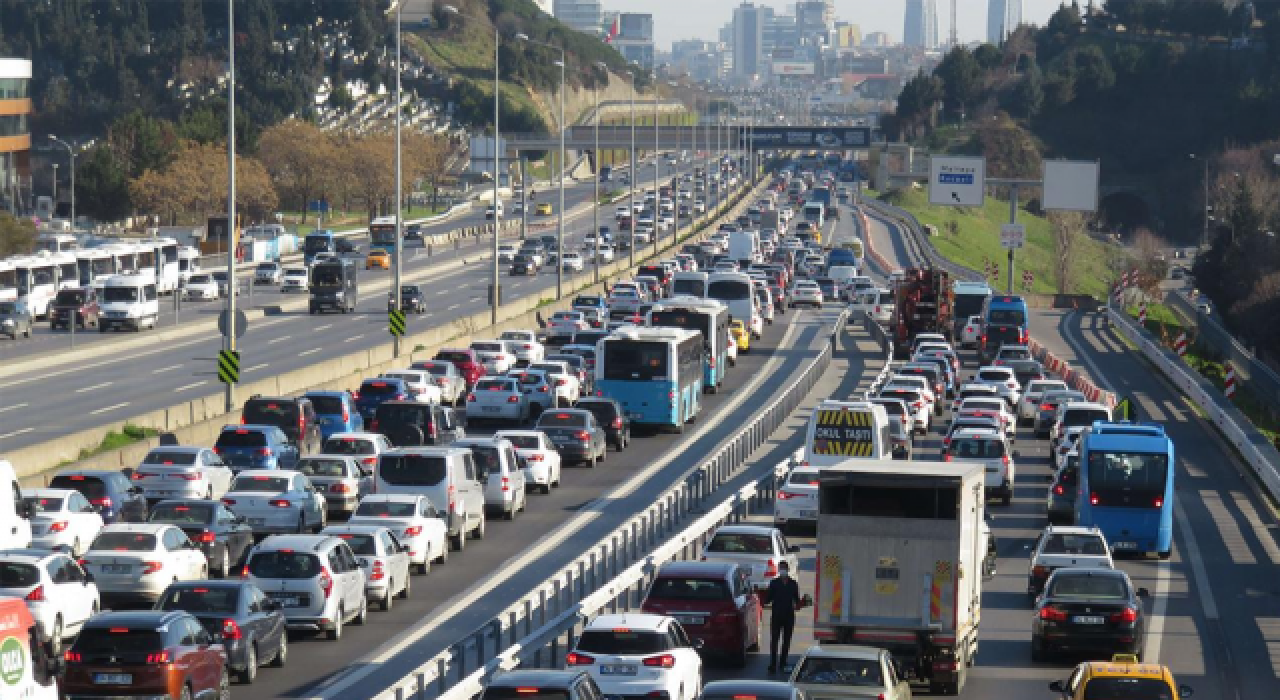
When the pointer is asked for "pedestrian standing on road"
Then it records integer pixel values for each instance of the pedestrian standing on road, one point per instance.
(783, 595)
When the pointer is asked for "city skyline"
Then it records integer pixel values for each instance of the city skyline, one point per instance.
(702, 19)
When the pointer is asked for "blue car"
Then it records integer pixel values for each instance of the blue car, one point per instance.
(336, 412)
(255, 447)
(118, 500)
(374, 391)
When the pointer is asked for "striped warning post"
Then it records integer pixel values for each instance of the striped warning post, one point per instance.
(1229, 387)
(1142, 314)
(1180, 345)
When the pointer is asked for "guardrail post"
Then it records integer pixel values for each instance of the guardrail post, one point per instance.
(513, 628)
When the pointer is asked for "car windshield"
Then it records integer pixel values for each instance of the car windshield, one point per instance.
(349, 446)
(524, 442)
(260, 483)
(380, 388)
(386, 509)
(284, 564)
(1123, 688)
(361, 545)
(180, 458)
(975, 448)
(799, 478)
(181, 513)
(411, 470)
(242, 438)
(124, 542)
(270, 412)
(838, 671)
(495, 385)
(91, 487)
(1088, 586)
(1087, 545)
(740, 543)
(319, 466)
(327, 405)
(200, 600)
(101, 640)
(680, 588)
(16, 574)
(622, 642)
(995, 375)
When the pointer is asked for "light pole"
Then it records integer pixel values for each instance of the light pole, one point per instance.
(595, 209)
(657, 161)
(398, 254)
(560, 176)
(1204, 215)
(229, 339)
(495, 292)
(72, 153)
(55, 186)
(631, 161)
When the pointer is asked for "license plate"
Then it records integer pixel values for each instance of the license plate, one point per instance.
(1124, 546)
(617, 670)
(117, 568)
(1087, 619)
(289, 601)
(692, 620)
(113, 678)
(491, 409)
(635, 415)
(257, 521)
(808, 513)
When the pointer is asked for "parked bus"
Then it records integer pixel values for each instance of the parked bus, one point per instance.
(324, 241)
(94, 263)
(707, 316)
(1127, 486)
(57, 242)
(734, 289)
(166, 263)
(655, 373)
(37, 282)
(188, 263)
(382, 234)
(8, 281)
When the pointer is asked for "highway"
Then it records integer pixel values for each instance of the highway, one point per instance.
(51, 398)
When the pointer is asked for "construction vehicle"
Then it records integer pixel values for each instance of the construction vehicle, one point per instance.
(924, 301)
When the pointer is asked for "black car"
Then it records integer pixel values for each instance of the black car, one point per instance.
(413, 232)
(995, 335)
(413, 298)
(346, 246)
(251, 624)
(614, 420)
(828, 287)
(295, 416)
(1062, 495)
(224, 537)
(577, 435)
(118, 500)
(414, 424)
(1088, 610)
(523, 264)
(1025, 371)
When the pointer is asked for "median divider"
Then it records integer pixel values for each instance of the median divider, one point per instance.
(616, 571)
(199, 421)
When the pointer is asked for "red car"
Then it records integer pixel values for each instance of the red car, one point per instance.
(467, 362)
(146, 653)
(714, 601)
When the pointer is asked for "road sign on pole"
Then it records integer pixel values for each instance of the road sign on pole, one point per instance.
(957, 181)
(995, 271)
(229, 366)
(1013, 236)
(395, 318)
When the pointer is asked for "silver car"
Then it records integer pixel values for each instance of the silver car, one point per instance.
(276, 500)
(316, 579)
(384, 559)
(847, 671)
(498, 398)
(182, 472)
(341, 479)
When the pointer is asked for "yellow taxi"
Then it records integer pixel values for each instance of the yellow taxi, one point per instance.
(543, 209)
(378, 258)
(1121, 677)
(740, 335)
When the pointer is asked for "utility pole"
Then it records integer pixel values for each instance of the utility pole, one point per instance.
(399, 249)
(229, 337)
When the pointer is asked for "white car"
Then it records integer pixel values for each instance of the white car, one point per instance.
(384, 559)
(422, 385)
(525, 345)
(797, 500)
(1003, 379)
(201, 286)
(64, 519)
(541, 459)
(267, 273)
(498, 398)
(364, 447)
(294, 280)
(563, 324)
(921, 413)
(758, 549)
(1029, 405)
(57, 593)
(135, 562)
(182, 472)
(572, 262)
(493, 354)
(806, 292)
(507, 252)
(414, 520)
(910, 381)
(1061, 546)
(639, 655)
(994, 407)
(970, 332)
(564, 380)
(276, 501)
(605, 253)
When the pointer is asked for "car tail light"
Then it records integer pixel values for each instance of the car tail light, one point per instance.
(355, 395)
(1158, 502)
(190, 476)
(264, 451)
(471, 397)
(326, 583)
(59, 526)
(103, 502)
(770, 569)
(513, 399)
(660, 661)
(151, 567)
(139, 476)
(543, 388)
(217, 450)
(207, 537)
(341, 487)
(160, 657)
(36, 595)
(378, 572)
(1046, 407)
(229, 501)
(946, 457)
(506, 486)
(401, 397)
(1012, 385)
(1039, 571)
(72, 657)
(1127, 616)
(573, 658)
(373, 425)
(787, 495)
(1093, 498)
(1057, 489)
(1053, 614)
(230, 630)
(582, 435)
(1004, 459)
(413, 531)
(346, 416)
(280, 503)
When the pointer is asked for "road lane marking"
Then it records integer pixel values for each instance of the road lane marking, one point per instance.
(312, 351)
(257, 367)
(325, 327)
(590, 511)
(281, 339)
(14, 407)
(104, 409)
(162, 370)
(95, 386)
(191, 386)
(354, 338)
(16, 432)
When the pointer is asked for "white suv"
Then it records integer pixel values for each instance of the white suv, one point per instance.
(316, 579)
(639, 655)
(56, 591)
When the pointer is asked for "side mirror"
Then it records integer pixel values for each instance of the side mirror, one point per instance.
(793, 548)
(698, 643)
(1185, 691)
(1057, 687)
(1143, 593)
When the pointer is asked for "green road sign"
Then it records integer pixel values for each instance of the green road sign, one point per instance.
(395, 318)
(229, 367)
(1125, 409)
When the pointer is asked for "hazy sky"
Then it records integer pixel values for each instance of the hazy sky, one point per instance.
(702, 19)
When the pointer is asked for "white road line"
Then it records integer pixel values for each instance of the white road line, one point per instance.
(312, 351)
(325, 327)
(453, 306)
(281, 339)
(104, 409)
(190, 386)
(354, 338)
(257, 367)
(589, 512)
(14, 407)
(16, 432)
(162, 370)
(95, 386)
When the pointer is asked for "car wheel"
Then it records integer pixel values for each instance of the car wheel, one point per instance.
(604, 454)
(186, 689)
(408, 587)
(425, 567)
(479, 531)
(388, 599)
(250, 671)
(459, 541)
(363, 615)
(510, 514)
(1038, 651)
(335, 633)
(282, 651)
(302, 523)
(224, 569)
(544, 488)
(55, 639)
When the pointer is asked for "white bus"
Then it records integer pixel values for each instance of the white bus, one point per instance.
(94, 264)
(188, 263)
(693, 284)
(8, 281)
(37, 282)
(166, 264)
(57, 242)
(735, 290)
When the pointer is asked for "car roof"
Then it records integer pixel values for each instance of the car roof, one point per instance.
(536, 677)
(134, 618)
(749, 688)
(1074, 530)
(641, 621)
(189, 449)
(295, 542)
(27, 555)
(88, 472)
(48, 492)
(977, 433)
(1085, 404)
(266, 472)
(353, 528)
(354, 434)
(392, 498)
(140, 528)
(696, 568)
(746, 529)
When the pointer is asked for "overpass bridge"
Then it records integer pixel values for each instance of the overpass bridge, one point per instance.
(614, 137)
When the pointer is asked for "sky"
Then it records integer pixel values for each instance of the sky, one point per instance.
(702, 19)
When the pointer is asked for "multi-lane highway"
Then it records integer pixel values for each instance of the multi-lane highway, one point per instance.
(133, 374)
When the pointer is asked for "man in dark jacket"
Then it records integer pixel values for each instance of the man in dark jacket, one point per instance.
(783, 595)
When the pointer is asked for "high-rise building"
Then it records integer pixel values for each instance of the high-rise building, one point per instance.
(920, 28)
(545, 6)
(1003, 16)
(635, 38)
(582, 15)
(15, 134)
(877, 39)
(748, 39)
(848, 35)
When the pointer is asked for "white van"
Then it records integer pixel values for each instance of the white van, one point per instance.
(448, 476)
(841, 430)
(842, 275)
(129, 301)
(15, 516)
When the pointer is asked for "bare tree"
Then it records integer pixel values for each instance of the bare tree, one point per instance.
(1067, 228)
(1152, 267)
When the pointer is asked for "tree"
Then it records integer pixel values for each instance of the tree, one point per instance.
(1151, 268)
(426, 157)
(1092, 71)
(102, 190)
(1067, 228)
(195, 184)
(141, 142)
(17, 236)
(1028, 96)
(961, 78)
(299, 156)
(368, 159)
(988, 56)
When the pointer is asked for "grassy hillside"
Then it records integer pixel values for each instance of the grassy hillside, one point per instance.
(978, 240)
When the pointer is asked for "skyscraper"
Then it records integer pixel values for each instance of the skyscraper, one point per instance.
(1003, 16)
(921, 26)
(582, 15)
(748, 38)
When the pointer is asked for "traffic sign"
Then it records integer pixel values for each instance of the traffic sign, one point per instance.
(995, 271)
(229, 366)
(395, 318)
(1125, 409)
(958, 181)
(241, 324)
(1013, 236)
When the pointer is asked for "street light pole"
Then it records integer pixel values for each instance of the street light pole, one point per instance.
(232, 285)
(395, 284)
(595, 209)
(71, 153)
(657, 198)
(497, 165)
(632, 163)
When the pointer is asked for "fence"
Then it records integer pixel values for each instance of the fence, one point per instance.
(615, 570)
(1262, 380)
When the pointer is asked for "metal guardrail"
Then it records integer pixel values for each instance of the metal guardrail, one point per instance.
(614, 572)
(1253, 446)
(886, 348)
(919, 241)
(1262, 380)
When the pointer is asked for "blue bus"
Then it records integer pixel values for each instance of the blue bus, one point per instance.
(708, 317)
(316, 242)
(655, 373)
(382, 234)
(1126, 486)
(1005, 310)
